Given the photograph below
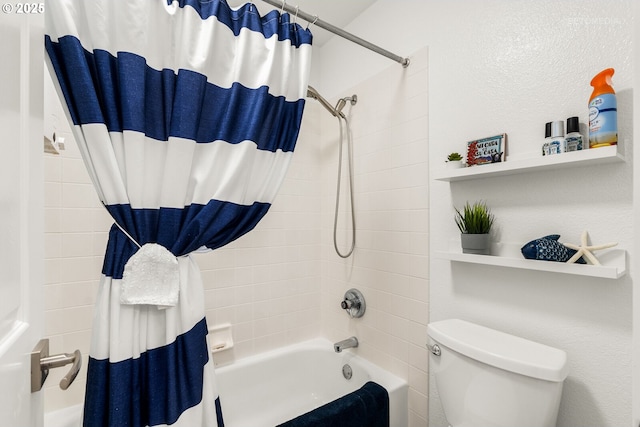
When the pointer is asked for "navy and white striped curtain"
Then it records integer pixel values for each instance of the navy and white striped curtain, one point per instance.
(186, 114)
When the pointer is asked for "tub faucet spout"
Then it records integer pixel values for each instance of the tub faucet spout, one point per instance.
(351, 342)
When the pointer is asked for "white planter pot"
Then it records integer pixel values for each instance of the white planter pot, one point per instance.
(454, 164)
(475, 243)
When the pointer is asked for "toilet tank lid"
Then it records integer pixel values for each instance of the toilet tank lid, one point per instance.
(502, 350)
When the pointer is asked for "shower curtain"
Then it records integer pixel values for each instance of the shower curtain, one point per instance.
(186, 114)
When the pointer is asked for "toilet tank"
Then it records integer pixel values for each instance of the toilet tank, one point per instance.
(487, 378)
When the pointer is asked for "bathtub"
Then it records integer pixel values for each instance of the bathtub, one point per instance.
(65, 417)
(273, 387)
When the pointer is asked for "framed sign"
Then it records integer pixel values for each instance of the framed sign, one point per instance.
(487, 150)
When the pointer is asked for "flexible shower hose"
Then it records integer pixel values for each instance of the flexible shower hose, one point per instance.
(350, 166)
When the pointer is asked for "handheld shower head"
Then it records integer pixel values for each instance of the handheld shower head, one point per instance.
(313, 93)
(335, 111)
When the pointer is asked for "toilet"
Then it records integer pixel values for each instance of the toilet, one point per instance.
(487, 378)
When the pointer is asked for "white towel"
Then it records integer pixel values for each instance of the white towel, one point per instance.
(151, 276)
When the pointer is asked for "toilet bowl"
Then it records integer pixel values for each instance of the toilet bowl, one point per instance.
(487, 378)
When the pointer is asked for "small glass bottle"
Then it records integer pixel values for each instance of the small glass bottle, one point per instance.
(547, 139)
(574, 140)
(557, 143)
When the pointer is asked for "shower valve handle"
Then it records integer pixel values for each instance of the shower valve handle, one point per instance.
(353, 303)
(346, 304)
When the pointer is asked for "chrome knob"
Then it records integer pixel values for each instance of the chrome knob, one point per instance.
(435, 349)
(354, 303)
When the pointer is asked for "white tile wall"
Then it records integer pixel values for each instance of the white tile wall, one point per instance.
(267, 283)
(76, 227)
(75, 237)
(390, 263)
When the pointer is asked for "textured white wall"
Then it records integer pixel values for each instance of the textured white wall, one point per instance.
(510, 66)
(636, 208)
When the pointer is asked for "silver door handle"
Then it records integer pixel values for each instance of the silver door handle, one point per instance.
(41, 362)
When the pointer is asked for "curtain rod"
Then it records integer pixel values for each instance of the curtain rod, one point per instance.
(338, 31)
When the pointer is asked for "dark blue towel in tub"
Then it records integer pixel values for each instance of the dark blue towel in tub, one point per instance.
(366, 407)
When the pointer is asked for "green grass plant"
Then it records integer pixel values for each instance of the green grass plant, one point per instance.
(474, 219)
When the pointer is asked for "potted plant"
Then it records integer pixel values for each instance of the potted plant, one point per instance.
(454, 161)
(474, 222)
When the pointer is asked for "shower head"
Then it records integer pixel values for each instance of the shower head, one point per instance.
(313, 93)
(335, 111)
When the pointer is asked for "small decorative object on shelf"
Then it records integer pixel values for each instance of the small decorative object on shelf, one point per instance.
(574, 139)
(555, 143)
(475, 223)
(548, 248)
(602, 156)
(584, 250)
(454, 161)
(487, 150)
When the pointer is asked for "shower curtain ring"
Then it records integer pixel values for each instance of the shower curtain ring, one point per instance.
(284, 3)
(315, 18)
(295, 20)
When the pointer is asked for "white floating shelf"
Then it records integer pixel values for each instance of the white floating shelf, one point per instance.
(575, 158)
(613, 263)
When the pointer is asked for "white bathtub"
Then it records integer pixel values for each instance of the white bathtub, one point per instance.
(65, 417)
(270, 388)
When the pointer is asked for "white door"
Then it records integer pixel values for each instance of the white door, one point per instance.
(21, 211)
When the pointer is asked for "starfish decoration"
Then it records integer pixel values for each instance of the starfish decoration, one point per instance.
(585, 250)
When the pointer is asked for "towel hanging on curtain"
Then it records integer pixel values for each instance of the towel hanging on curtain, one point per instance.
(186, 114)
